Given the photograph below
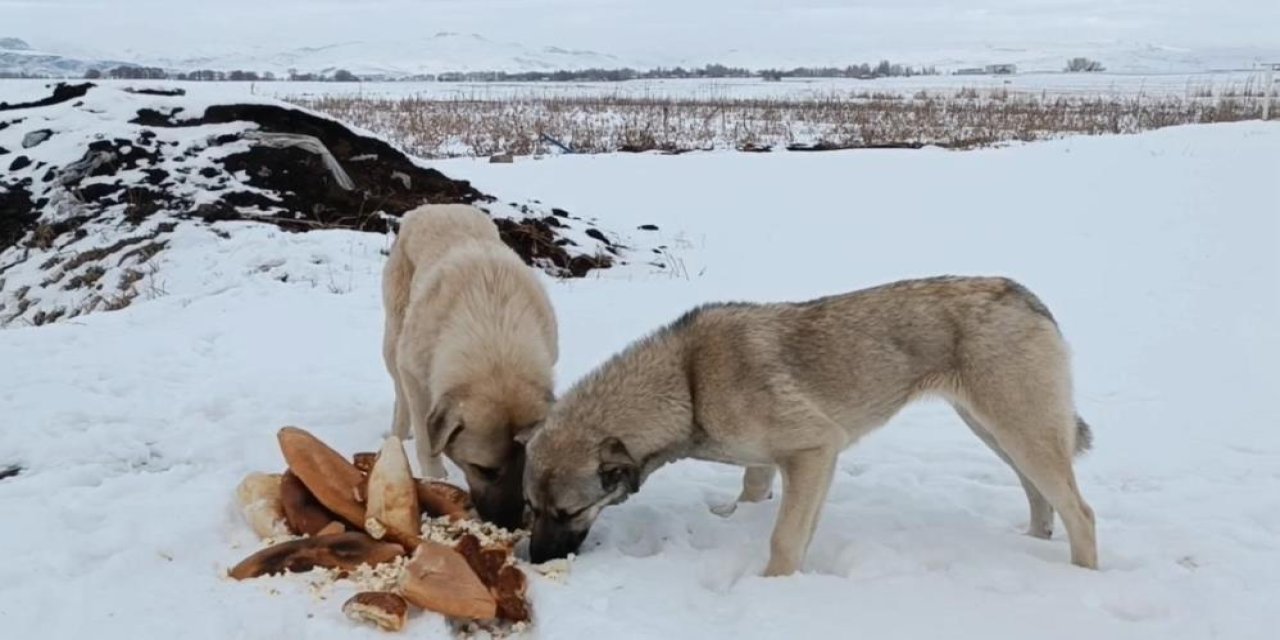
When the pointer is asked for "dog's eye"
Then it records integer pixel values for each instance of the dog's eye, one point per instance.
(487, 473)
(565, 516)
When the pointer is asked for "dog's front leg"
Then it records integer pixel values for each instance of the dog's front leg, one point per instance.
(418, 403)
(806, 477)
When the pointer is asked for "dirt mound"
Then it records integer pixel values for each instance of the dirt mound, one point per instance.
(381, 179)
(101, 175)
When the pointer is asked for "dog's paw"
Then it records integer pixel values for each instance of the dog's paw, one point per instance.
(724, 510)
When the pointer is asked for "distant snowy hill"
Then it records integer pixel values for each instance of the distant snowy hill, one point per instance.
(442, 52)
(445, 51)
(453, 51)
(17, 58)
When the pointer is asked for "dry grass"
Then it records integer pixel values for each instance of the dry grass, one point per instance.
(451, 127)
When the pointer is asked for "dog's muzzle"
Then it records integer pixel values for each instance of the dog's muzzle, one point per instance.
(551, 539)
(502, 501)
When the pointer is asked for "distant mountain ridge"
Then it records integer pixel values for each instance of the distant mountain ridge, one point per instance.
(17, 57)
(470, 52)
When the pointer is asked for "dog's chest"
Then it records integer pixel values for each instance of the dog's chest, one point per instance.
(733, 447)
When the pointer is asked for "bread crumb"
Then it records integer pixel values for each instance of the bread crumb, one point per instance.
(447, 531)
(374, 528)
(554, 570)
(489, 629)
(383, 577)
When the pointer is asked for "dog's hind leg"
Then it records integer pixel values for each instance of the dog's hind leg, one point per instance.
(1033, 422)
(757, 486)
(1041, 511)
(806, 478)
(757, 483)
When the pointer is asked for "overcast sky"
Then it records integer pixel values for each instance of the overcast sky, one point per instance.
(637, 27)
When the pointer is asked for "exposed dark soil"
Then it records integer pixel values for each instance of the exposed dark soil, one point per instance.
(536, 240)
(18, 214)
(829, 146)
(61, 93)
(171, 93)
(385, 179)
(124, 181)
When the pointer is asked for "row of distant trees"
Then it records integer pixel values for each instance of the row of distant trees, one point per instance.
(864, 71)
(883, 69)
(1080, 65)
(124, 72)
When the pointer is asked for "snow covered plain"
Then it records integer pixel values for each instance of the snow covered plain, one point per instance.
(1209, 84)
(1213, 83)
(1159, 253)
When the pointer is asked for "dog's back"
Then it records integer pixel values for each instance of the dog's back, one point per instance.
(426, 235)
(471, 339)
(482, 314)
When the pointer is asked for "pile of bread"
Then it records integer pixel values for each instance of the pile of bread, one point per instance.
(369, 511)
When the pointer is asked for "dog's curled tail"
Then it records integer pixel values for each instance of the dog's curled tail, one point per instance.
(1084, 436)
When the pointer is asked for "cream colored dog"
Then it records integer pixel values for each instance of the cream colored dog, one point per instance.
(470, 343)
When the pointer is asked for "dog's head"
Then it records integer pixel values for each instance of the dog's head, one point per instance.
(571, 474)
(478, 431)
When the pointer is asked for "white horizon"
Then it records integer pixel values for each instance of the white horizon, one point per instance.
(657, 31)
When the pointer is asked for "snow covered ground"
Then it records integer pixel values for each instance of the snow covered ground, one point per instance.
(1185, 85)
(1159, 254)
(1052, 84)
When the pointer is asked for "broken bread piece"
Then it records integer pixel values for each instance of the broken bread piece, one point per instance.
(327, 475)
(391, 502)
(439, 579)
(344, 551)
(260, 503)
(304, 514)
(510, 592)
(383, 608)
(364, 460)
(443, 499)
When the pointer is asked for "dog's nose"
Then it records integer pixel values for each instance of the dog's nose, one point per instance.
(551, 540)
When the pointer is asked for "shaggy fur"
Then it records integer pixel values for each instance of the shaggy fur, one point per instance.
(788, 386)
(470, 343)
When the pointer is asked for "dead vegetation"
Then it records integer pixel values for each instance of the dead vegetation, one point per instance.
(968, 118)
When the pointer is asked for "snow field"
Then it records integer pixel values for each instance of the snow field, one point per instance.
(1156, 252)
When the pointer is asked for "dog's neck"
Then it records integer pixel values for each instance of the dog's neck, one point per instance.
(660, 418)
(690, 441)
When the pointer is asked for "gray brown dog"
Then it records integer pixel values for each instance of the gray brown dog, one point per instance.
(789, 386)
(470, 343)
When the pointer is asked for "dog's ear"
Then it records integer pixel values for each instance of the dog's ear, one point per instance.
(617, 467)
(523, 434)
(443, 424)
